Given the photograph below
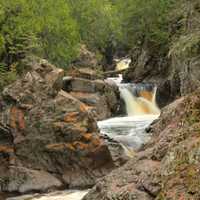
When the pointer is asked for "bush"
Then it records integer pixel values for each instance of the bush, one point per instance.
(7, 77)
(146, 22)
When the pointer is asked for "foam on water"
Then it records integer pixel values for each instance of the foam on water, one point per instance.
(142, 110)
(130, 131)
(59, 195)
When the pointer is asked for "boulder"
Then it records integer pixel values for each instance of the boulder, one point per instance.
(102, 98)
(138, 179)
(25, 180)
(86, 58)
(49, 138)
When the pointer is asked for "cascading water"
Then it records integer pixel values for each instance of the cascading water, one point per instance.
(123, 64)
(144, 104)
(141, 108)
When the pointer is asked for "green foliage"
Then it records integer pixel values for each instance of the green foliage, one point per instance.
(54, 29)
(186, 39)
(146, 21)
(42, 27)
(58, 31)
(98, 22)
(7, 77)
(186, 46)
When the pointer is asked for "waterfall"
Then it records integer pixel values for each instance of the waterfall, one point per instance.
(142, 110)
(123, 64)
(139, 102)
(132, 105)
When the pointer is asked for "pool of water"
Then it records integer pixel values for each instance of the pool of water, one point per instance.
(130, 131)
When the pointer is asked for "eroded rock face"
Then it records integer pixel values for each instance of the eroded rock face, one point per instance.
(168, 166)
(48, 138)
(86, 58)
(102, 99)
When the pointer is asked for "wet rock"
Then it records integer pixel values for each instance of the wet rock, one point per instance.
(118, 152)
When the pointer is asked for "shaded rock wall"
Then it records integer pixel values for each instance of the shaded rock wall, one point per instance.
(176, 72)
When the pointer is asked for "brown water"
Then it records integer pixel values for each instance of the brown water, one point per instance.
(142, 110)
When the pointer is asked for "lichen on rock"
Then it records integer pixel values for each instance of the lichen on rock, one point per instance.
(49, 137)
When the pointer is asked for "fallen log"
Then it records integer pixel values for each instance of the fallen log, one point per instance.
(113, 73)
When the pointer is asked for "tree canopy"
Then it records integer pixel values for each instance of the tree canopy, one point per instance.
(54, 29)
(43, 27)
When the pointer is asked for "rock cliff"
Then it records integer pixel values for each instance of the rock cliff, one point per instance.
(48, 138)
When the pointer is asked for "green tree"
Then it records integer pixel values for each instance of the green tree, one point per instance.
(146, 21)
(42, 27)
(98, 22)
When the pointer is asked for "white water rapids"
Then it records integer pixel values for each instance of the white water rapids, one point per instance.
(141, 112)
(130, 131)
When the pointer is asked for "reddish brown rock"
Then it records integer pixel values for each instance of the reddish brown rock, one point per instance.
(49, 138)
(102, 99)
(168, 166)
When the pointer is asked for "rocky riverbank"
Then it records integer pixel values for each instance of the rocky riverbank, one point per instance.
(49, 137)
(168, 166)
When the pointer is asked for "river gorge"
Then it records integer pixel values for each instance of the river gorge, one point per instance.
(79, 137)
(129, 129)
(100, 100)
